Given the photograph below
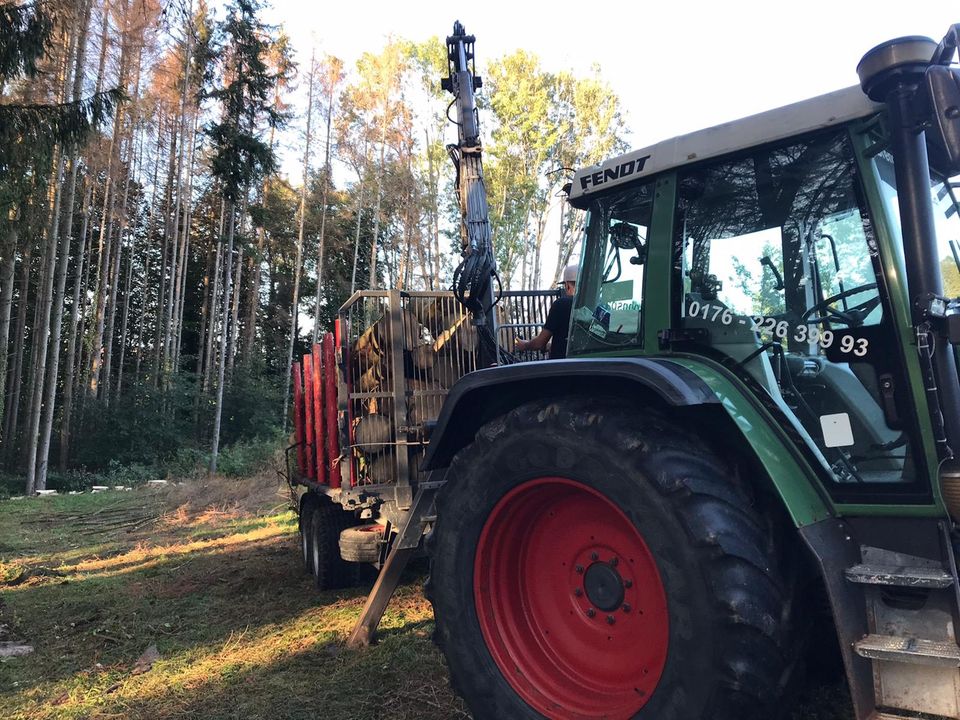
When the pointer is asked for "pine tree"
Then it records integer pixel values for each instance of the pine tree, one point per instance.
(239, 156)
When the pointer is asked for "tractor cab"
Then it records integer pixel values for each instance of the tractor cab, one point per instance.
(772, 248)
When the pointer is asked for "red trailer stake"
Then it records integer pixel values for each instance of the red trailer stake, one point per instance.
(308, 414)
(298, 419)
(330, 395)
(318, 430)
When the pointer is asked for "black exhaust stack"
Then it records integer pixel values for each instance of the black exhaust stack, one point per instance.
(894, 74)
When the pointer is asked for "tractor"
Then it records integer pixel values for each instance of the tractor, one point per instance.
(750, 450)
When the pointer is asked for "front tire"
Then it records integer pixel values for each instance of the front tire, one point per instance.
(588, 563)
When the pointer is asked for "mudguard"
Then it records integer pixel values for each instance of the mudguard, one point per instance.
(680, 383)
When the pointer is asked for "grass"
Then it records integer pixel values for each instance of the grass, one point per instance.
(208, 573)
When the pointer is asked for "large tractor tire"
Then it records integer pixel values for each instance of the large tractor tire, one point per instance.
(327, 521)
(592, 560)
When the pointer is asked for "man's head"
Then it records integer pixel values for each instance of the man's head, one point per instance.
(570, 279)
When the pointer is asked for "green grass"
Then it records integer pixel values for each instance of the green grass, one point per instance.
(213, 579)
(219, 589)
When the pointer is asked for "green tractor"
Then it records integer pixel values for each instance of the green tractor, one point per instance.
(753, 436)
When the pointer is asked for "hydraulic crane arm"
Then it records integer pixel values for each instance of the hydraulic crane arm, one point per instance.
(473, 280)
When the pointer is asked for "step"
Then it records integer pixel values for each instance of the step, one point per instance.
(909, 650)
(899, 576)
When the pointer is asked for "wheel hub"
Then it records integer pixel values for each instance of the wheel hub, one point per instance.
(570, 602)
(604, 586)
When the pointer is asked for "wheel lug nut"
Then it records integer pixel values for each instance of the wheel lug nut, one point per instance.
(626, 607)
(578, 592)
(611, 619)
(591, 612)
(594, 556)
(579, 569)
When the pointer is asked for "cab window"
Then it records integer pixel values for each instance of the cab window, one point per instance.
(782, 283)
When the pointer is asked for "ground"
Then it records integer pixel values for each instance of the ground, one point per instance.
(190, 601)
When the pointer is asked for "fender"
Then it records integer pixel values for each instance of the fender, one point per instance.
(485, 394)
(679, 383)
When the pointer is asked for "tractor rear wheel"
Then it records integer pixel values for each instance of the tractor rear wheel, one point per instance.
(327, 521)
(591, 563)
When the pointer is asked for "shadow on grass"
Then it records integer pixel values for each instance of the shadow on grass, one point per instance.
(182, 602)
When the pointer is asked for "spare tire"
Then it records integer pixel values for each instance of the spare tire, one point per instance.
(361, 544)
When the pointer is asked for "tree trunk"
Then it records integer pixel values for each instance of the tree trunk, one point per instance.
(376, 212)
(218, 412)
(114, 286)
(8, 268)
(126, 313)
(13, 407)
(204, 314)
(41, 330)
(295, 304)
(323, 213)
(235, 314)
(356, 239)
(212, 325)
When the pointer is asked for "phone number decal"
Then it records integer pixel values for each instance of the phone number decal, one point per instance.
(780, 329)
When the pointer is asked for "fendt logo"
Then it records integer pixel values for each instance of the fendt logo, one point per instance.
(615, 173)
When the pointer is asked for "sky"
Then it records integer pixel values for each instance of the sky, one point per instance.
(678, 66)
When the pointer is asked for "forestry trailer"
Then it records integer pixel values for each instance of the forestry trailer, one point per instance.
(753, 438)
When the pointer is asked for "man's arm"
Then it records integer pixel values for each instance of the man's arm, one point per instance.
(538, 343)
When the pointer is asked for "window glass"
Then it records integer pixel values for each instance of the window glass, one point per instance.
(607, 312)
(945, 215)
(779, 270)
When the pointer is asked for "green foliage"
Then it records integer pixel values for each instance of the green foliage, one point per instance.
(239, 155)
(25, 31)
(153, 433)
(951, 277)
(250, 404)
(246, 457)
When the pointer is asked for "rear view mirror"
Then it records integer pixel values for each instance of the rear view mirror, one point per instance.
(942, 87)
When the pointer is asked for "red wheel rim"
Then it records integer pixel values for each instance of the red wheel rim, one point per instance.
(570, 601)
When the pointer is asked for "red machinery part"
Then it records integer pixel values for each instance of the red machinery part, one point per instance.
(308, 415)
(570, 601)
(318, 415)
(330, 410)
(298, 418)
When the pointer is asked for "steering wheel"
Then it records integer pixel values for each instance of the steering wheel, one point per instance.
(851, 317)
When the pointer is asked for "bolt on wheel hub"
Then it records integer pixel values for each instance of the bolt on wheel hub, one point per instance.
(604, 586)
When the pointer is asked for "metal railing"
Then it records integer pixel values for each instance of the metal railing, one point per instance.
(401, 352)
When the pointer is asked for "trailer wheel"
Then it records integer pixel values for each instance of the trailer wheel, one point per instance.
(327, 521)
(591, 563)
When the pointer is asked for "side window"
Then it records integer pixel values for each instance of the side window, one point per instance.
(607, 309)
(780, 278)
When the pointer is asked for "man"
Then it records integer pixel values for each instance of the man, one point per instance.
(557, 325)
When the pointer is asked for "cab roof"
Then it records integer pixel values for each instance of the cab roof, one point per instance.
(784, 122)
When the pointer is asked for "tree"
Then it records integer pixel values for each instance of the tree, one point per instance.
(239, 155)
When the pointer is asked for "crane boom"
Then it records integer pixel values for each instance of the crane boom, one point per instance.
(473, 280)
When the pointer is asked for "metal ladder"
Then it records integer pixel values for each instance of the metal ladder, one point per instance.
(911, 606)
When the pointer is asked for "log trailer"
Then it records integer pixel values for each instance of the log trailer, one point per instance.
(760, 410)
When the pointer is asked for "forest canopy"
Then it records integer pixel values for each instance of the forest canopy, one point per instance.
(165, 249)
